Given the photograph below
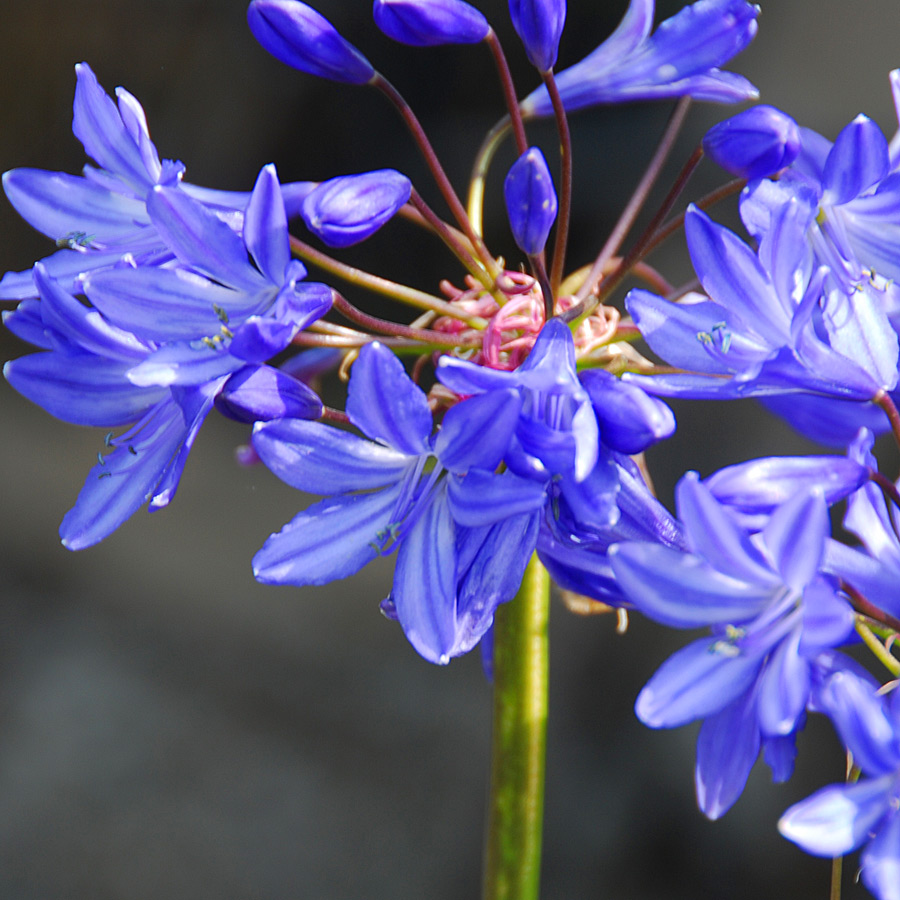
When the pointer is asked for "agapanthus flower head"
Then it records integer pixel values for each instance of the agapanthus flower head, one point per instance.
(680, 58)
(350, 208)
(531, 203)
(430, 23)
(302, 38)
(755, 143)
(539, 24)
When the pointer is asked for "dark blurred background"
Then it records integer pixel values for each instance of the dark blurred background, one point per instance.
(171, 729)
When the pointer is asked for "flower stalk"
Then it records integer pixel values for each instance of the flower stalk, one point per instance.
(516, 804)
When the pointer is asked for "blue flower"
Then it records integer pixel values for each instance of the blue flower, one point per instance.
(680, 58)
(101, 217)
(843, 817)
(159, 346)
(774, 323)
(771, 612)
(433, 498)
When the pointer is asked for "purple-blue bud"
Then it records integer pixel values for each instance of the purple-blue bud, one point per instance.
(350, 208)
(630, 419)
(539, 24)
(429, 23)
(530, 201)
(300, 37)
(755, 143)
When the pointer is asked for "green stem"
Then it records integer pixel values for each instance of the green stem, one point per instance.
(512, 867)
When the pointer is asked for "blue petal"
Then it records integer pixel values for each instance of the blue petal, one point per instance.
(828, 618)
(795, 536)
(732, 275)
(61, 205)
(714, 535)
(726, 751)
(477, 431)
(318, 458)
(329, 540)
(759, 485)
(494, 576)
(858, 161)
(862, 720)
(482, 498)
(185, 364)
(880, 861)
(165, 304)
(265, 226)
(98, 125)
(125, 480)
(84, 390)
(260, 338)
(385, 403)
(827, 420)
(681, 590)
(682, 333)
(694, 683)
(783, 688)
(78, 327)
(200, 239)
(838, 818)
(425, 586)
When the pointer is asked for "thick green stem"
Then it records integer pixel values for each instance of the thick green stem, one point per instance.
(512, 868)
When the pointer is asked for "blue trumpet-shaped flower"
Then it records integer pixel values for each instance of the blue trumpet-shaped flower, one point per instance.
(430, 23)
(463, 535)
(159, 346)
(774, 323)
(772, 613)
(681, 58)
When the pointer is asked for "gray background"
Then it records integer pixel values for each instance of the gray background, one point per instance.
(169, 728)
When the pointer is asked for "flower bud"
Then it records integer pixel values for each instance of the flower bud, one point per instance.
(350, 208)
(429, 23)
(630, 419)
(300, 37)
(539, 24)
(530, 201)
(755, 143)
